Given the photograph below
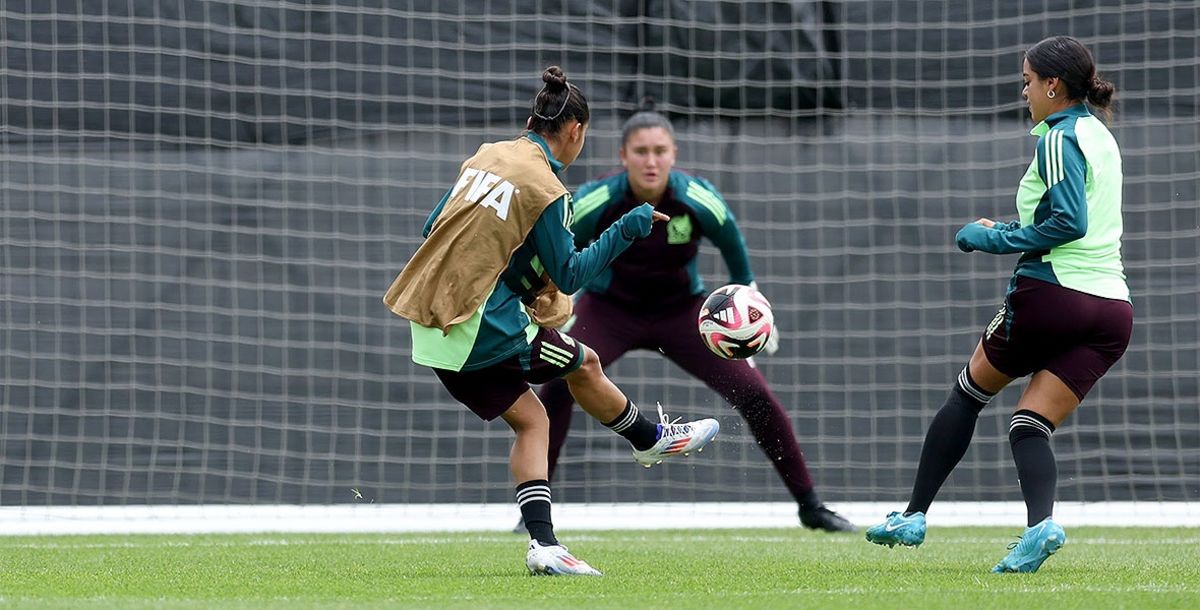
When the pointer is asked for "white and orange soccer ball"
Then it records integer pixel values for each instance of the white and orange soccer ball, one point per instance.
(736, 322)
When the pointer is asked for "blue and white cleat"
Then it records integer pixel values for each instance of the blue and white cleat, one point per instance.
(675, 439)
(1037, 544)
(556, 560)
(898, 529)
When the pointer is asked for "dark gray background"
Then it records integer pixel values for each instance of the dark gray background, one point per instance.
(201, 204)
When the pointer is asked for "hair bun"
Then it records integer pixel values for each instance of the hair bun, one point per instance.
(1100, 92)
(647, 104)
(555, 79)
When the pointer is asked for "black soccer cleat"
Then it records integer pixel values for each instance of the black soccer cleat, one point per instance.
(821, 518)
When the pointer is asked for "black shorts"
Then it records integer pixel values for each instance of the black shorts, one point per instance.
(1043, 326)
(491, 391)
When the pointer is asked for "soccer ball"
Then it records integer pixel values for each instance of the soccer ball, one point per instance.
(736, 321)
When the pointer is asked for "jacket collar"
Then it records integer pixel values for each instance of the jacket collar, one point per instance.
(1078, 110)
(555, 164)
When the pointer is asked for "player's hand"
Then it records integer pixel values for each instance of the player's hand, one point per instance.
(971, 236)
(987, 222)
(660, 217)
(772, 345)
(636, 223)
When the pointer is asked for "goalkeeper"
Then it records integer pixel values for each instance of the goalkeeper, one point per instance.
(483, 297)
(649, 298)
(1066, 318)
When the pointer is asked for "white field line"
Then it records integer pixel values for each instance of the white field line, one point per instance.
(495, 518)
(433, 541)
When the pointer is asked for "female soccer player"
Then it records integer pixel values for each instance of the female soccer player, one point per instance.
(650, 297)
(1066, 317)
(484, 294)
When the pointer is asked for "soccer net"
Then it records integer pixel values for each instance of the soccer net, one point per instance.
(201, 204)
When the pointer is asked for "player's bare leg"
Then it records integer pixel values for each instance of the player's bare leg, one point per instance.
(652, 443)
(528, 420)
(545, 556)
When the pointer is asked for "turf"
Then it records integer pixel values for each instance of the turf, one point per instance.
(760, 569)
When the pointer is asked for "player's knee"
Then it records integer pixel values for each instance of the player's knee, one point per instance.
(540, 422)
(589, 371)
(984, 375)
(531, 421)
(527, 416)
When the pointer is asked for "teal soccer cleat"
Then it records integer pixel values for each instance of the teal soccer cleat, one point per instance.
(1037, 544)
(898, 529)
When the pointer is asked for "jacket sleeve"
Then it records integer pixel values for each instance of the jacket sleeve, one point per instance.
(1063, 169)
(433, 216)
(719, 225)
(733, 249)
(554, 243)
(587, 205)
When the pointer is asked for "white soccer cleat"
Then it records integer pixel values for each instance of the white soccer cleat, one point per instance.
(555, 560)
(674, 439)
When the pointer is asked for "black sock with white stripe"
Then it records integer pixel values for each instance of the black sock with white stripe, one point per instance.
(638, 430)
(1029, 435)
(947, 440)
(533, 497)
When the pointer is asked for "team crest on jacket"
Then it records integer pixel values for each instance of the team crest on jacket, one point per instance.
(679, 229)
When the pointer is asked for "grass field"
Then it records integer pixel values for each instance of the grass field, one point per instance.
(760, 569)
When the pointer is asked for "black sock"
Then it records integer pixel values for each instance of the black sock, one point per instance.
(533, 497)
(638, 430)
(1029, 435)
(947, 440)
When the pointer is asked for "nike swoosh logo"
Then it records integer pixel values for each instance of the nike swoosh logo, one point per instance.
(889, 528)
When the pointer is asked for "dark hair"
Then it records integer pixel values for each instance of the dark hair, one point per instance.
(557, 103)
(1071, 62)
(645, 118)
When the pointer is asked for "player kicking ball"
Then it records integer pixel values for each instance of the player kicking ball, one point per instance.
(487, 289)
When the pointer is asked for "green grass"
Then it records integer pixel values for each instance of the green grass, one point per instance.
(760, 569)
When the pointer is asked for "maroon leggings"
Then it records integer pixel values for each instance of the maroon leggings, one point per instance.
(611, 330)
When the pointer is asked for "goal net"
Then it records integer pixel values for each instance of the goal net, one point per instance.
(201, 204)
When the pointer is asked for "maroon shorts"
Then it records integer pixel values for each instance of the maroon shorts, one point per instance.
(490, 391)
(1043, 326)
